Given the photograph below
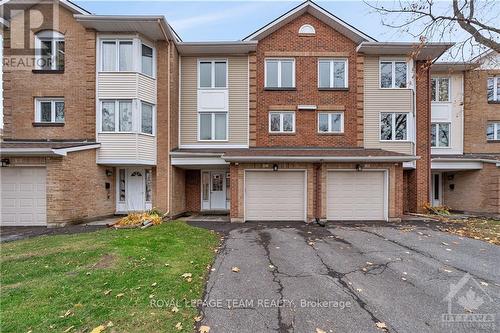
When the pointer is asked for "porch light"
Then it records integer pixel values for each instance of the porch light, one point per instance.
(109, 173)
(5, 162)
(359, 167)
(275, 167)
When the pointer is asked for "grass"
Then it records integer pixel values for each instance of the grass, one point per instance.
(75, 282)
(473, 227)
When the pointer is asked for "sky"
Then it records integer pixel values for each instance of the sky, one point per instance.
(234, 20)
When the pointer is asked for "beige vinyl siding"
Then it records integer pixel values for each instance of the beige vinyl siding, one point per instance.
(378, 100)
(238, 101)
(126, 85)
(127, 148)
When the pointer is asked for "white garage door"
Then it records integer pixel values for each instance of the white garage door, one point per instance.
(356, 195)
(275, 196)
(23, 196)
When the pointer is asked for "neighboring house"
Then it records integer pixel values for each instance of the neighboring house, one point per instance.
(306, 118)
(466, 134)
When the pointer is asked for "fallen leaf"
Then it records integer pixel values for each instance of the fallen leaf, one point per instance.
(120, 295)
(271, 266)
(178, 326)
(405, 273)
(98, 329)
(444, 243)
(359, 289)
(235, 269)
(186, 275)
(107, 292)
(204, 329)
(151, 296)
(175, 309)
(448, 249)
(369, 263)
(364, 269)
(381, 325)
(154, 284)
(483, 283)
(189, 279)
(198, 318)
(68, 313)
(404, 279)
(447, 270)
(319, 330)
(167, 265)
(69, 329)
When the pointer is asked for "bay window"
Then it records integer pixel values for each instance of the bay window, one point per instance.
(49, 110)
(146, 118)
(212, 126)
(393, 126)
(493, 131)
(115, 112)
(494, 89)
(49, 50)
(117, 55)
(146, 60)
(282, 122)
(330, 122)
(440, 89)
(212, 74)
(332, 73)
(393, 74)
(440, 135)
(279, 73)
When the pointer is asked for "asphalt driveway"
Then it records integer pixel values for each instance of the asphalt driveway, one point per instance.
(351, 278)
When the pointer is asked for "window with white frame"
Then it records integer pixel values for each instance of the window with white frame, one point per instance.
(282, 122)
(440, 89)
(117, 55)
(493, 131)
(440, 135)
(116, 116)
(279, 73)
(330, 122)
(49, 110)
(148, 185)
(393, 126)
(49, 50)
(212, 74)
(212, 126)
(494, 89)
(393, 74)
(147, 60)
(146, 118)
(332, 73)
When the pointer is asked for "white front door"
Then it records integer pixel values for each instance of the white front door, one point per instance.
(135, 190)
(437, 189)
(217, 190)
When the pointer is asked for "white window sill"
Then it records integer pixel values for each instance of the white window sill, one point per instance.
(395, 141)
(213, 140)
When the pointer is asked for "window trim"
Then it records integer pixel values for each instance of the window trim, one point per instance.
(495, 99)
(331, 62)
(212, 61)
(52, 100)
(496, 127)
(117, 55)
(393, 72)
(279, 86)
(153, 119)
(281, 131)
(117, 115)
(212, 113)
(52, 36)
(393, 124)
(437, 125)
(437, 88)
(330, 113)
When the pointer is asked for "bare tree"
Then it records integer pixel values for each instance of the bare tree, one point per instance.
(477, 22)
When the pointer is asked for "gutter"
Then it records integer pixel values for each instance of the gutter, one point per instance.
(46, 151)
(450, 159)
(320, 158)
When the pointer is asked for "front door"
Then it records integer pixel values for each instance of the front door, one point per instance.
(135, 190)
(217, 190)
(437, 189)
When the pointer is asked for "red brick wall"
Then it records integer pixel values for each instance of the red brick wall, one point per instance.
(76, 85)
(419, 179)
(306, 50)
(193, 190)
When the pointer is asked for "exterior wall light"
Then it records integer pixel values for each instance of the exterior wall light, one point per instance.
(359, 167)
(5, 162)
(109, 173)
(275, 167)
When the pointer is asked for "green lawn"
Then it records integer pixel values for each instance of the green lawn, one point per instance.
(78, 282)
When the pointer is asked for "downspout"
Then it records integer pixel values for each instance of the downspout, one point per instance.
(317, 192)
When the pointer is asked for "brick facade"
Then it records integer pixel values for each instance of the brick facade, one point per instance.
(193, 190)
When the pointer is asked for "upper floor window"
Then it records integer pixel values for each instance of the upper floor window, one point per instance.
(493, 131)
(49, 50)
(440, 135)
(393, 74)
(116, 116)
(393, 126)
(146, 60)
(307, 29)
(212, 126)
(117, 56)
(49, 110)
(440, 89)
(282, 122)
(212, 74)
(279, 73)
(146, 118)
(494, 89)
(330, 122)
(332, 73)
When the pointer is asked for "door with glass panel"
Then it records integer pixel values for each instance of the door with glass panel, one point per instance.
(437, 189)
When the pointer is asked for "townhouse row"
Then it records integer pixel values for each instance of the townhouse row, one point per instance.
(307, 118)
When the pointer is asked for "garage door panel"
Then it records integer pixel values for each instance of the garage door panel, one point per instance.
(275, 195)
(23, 194)
(356, 195)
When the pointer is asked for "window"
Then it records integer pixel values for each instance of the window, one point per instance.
(121, 185)
(146, 118)
(148, 180)
(116, 112)
(330, 122)
(147, 60)
(440, 135)
(212, 74)
(332, 73)
(393, 74)
(493, 131)
(494, 89)
(49, 110)
(212, 126)
(440, 89)
(279, 73)
(117, 55)
(228, 186)
(205, 180)
(282, 122)
(49, 50)
(393, 126)
(307, 29)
